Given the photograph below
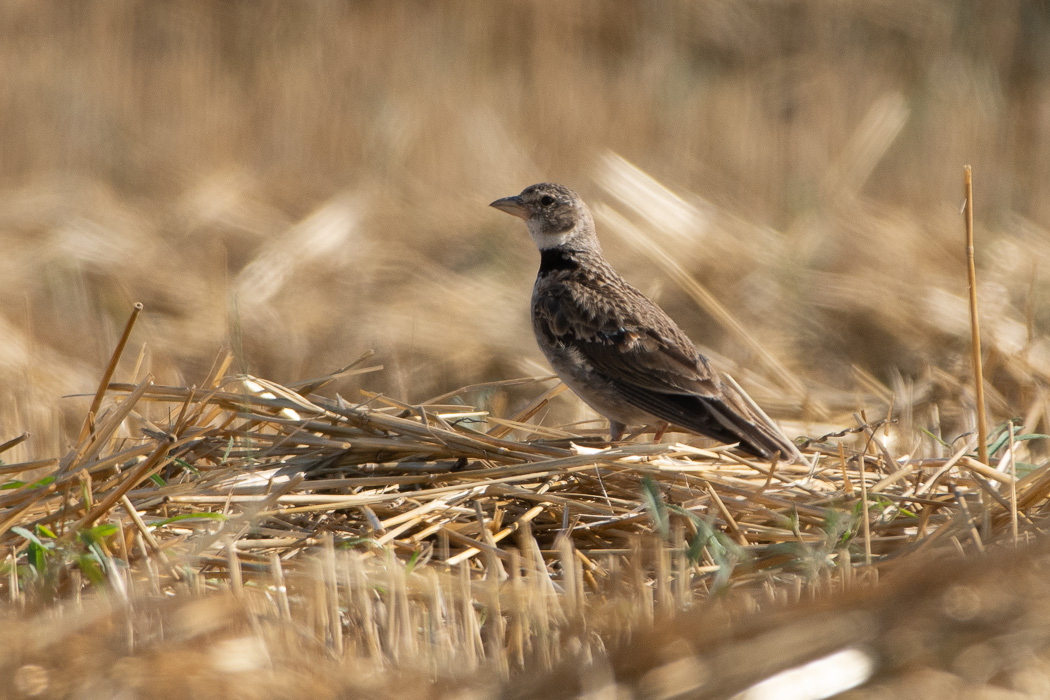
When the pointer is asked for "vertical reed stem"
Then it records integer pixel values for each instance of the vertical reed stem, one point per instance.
(975, 329)
(96, 403)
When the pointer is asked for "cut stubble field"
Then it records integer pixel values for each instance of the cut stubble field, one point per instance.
(329, 459)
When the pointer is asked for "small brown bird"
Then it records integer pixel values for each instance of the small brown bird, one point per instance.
(614, 347)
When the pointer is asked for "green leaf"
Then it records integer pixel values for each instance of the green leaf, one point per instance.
(1031, 436)
(226, 455)
(412, 561)
(15, 484)
(697, 543)
(206, 515)
(37, 556)
(725, 553)
(1002, 438)
(186, 465)
(19, 530)
(653, 500)
(103, 531)
(91, 569)
(940, 440)
(37, 552)
(1025, 468)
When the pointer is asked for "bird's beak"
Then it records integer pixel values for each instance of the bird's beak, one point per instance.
(512, 205)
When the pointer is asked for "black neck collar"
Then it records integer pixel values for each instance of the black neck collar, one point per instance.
(553, 259)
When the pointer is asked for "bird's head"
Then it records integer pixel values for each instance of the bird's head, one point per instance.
(556, 216)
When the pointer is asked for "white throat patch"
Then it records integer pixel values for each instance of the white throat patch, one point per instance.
(545, 241)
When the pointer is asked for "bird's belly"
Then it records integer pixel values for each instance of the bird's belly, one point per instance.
(596, 391)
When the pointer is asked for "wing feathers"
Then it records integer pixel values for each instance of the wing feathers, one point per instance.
(649, 361)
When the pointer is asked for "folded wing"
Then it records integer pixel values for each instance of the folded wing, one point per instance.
(652, 363)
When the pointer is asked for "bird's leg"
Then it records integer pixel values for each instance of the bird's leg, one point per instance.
(660, 430)
(616, 431)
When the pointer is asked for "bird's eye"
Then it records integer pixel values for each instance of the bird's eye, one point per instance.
(546, 200)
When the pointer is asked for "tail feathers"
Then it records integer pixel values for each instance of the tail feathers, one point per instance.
(726, 416)
(718, 418)
(753, 436)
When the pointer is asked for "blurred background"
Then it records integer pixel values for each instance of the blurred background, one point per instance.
(302, 182)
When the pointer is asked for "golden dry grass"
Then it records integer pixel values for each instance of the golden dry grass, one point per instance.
(303, 183)
(402, 549)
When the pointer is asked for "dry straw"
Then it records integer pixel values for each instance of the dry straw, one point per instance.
(421, 534)
(975, 326)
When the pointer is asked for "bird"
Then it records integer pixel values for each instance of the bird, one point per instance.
(613, 347)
